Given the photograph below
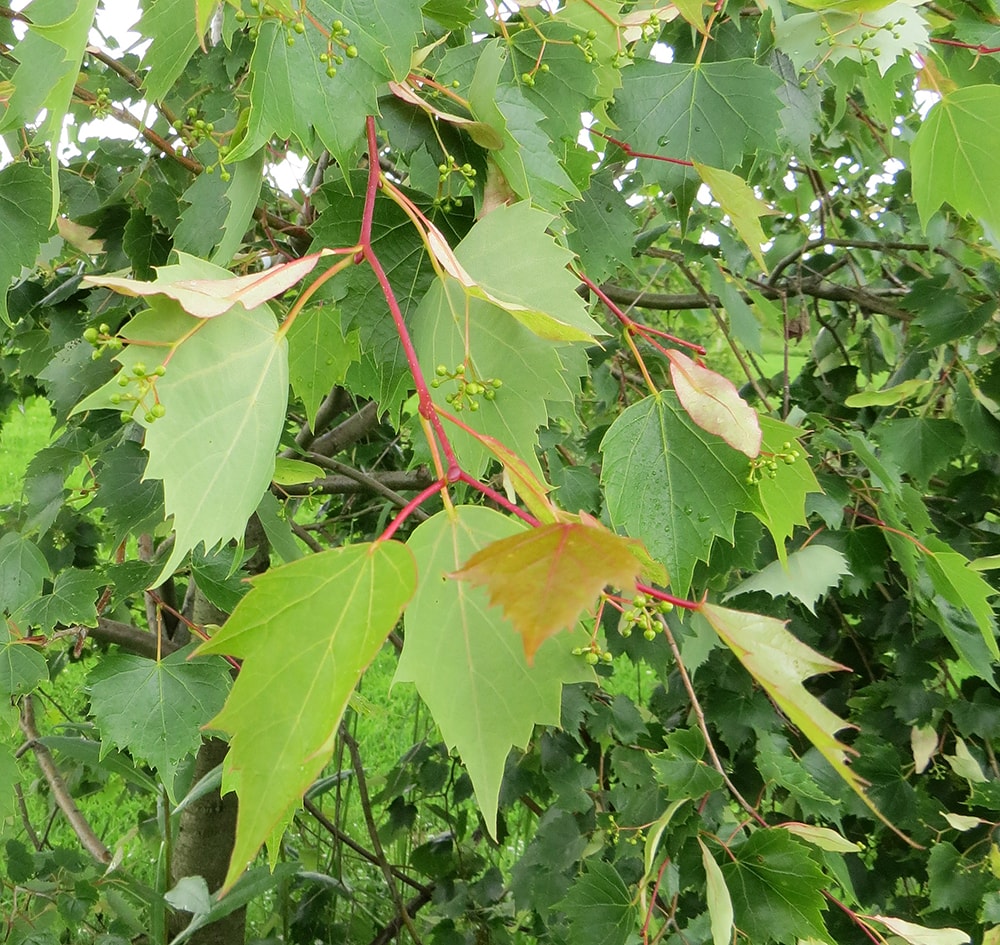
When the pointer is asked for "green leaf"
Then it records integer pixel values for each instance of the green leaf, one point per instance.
(889, 396)
(199, 229)
(713, 113)
(172, 27)
(23, 570)
(452, 329)
(512, 259)
(306, 632)
(920, 445)
(672, 485)
(73, 600)
(962, 587)
(920, 934)
(601, 224)
(806, 575)
(600, 907)
(24, 205)
(9, 776)
(292, 96)
(155, 709)
(777, 889)
(953, 156)
(49, 57)
(132, 505)
(474, 678)
(720, 905)
(783, 497)
(242, 195)
(215, 457)
(743, 207)
(318, 355)
(681, 768)
(22, 667)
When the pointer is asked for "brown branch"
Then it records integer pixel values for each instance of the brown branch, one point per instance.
(81, 827)
(129, 638)
(393, 927)
(350, 431)
(395, 480)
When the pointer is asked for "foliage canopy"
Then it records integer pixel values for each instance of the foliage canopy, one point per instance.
(620, 377)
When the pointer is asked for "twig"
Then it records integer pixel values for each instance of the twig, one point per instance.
(366, 808)
(81, 827)
(398, 480)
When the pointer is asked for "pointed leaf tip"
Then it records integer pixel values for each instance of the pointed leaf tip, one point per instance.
(545, 577)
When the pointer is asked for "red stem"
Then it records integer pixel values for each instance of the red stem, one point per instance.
(669, 598)
(423, 393)
(631, 152)
(500, 500)
(979, 48)
(652, 899)
(412, 505)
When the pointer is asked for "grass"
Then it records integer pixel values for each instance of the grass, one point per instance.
(24, 432)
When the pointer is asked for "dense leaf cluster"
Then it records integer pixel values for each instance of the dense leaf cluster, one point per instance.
(618, 378)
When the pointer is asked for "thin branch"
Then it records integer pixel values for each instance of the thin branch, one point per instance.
(367, 482)
(703, 725)
(393, 927)
(366, 808)
(344, 434)
(129, 638)
(81, 827)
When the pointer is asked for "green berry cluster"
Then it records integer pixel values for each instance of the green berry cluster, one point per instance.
(586, 43)
(101, 105)
(138, 386)
(863, 41)
(593, 654)
(102, 340)
(467, 392)
(195, 131)
(767, 464)
(644, 613)
(445, 199)
(337, 48)
(528, 78)
(651, 28)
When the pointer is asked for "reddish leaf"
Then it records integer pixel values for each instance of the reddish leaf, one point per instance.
(545, 577)
(713, 402)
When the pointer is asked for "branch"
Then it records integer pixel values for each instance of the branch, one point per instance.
(357, 482)
(129, 638)
(393, 928)
(350, 431)
(81, 827)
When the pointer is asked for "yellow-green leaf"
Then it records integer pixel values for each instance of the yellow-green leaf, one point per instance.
(306, 632)
(720, 904)
(743, 206)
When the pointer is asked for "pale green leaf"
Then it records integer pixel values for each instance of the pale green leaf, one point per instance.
(306, 632)
(720, 905)
(888, 396)
(516, 265)
(24, 206)
(806, 575)
(452, 328)
(781, 663)
(743, 207)
(822, 837)
(154, 709)
(288, 472)
(921, 935)
(468, 662)
(953, 156)
(672, 485)
(215, 458)
(242, 194)
(962, 822)
(924, 745)
(172, 28)
(964, 764)
(23, 570)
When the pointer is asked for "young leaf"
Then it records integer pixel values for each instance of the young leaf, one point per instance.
(822, 837)
(24, 200)
(154, 709)
(215, 457)
(921, 935)
(807, 575)
(545, 577)
(475, 679)
(953, 156)
(720, 905)
(781, 663)
(306, 633)
(743, 207)
(962, 587)
(714, 403)
(672, 485)
(208, 297)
